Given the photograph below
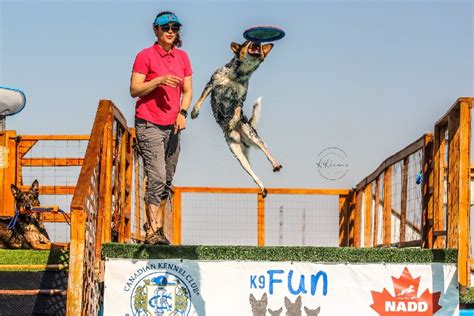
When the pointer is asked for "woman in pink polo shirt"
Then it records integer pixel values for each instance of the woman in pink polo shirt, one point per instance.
(162, 81)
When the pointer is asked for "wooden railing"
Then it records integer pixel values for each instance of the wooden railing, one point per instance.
(101, 207)
(444, 212)
(176, 219)
(17, 148)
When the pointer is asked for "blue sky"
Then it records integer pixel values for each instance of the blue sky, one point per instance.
(368, 77)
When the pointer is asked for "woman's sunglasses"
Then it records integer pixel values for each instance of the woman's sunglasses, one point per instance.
(173, 27)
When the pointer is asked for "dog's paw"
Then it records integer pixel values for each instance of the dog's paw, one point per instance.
(277, 168)
(264, 193)
(194, 114)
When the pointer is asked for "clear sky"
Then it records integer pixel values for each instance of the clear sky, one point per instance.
(368, 77)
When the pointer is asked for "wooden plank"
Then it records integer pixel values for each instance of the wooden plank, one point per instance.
(376, 212)
(7, 173)
(464, 193)
(357, 220)
(53, 162)
(438, 185)
(105, 199)
(75, 281)
(116, 185)
(102, 189)
(128, 186)
(118, 115)
(177, 216)
(138, 201)
(402, 154)
(24, 147)
(454, 159)
(53, 190)
(408, 223)
(270, 190)
(403, 206)
(343, 220)
(427, 192)
(122, 185)
(49, 267)
(352, 218)
(54, 137)
(368, 215)
(53, 218)
(387, 206)
(35, 292)
(260, 220)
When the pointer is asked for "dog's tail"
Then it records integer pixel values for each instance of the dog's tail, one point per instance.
(256, 112)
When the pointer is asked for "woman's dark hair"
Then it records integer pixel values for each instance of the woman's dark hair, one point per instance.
(177, 41)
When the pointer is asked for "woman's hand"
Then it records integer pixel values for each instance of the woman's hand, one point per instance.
(170, 80)
(180, 123)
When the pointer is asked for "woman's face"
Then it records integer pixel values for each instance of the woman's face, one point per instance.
(166, 34)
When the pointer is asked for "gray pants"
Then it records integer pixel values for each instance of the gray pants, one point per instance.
(160, 151)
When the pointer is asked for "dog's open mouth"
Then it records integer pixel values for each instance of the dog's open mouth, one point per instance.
(254, 49)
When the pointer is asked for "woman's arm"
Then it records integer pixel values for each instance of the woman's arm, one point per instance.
(186, 97)
(187, 92)
(140, 88)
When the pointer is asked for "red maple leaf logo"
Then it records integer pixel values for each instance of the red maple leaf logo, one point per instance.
(406, 300)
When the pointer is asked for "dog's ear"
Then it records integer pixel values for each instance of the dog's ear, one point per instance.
(15, 191)
(266, 49)
(298, 301)
(235, 47)
(264, 298)
(287, 303)
(35, 187)
(252, 299)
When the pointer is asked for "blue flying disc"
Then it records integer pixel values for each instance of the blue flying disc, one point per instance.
(264, 34)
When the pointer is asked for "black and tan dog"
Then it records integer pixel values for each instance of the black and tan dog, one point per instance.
(228, 88)
(28, 231)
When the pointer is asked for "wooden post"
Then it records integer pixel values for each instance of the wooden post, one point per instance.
(177, 216)
(403, 206)
(387, 206)
(8, 159)
(438, 187)
(260, 220)
(351, 217)
(128, 185)
(459, 125)
(344, 220)
(138, 200)
(106, 197)
(75, 281)
(427, 192)
(376, 212)
(368, 215)
(122, 186)
(357, 220)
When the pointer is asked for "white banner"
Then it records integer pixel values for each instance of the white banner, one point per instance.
(221, 288)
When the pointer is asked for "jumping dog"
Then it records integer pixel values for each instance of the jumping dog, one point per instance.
(228, 88)
(27, 232)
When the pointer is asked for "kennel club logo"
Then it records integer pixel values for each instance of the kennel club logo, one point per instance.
(406, 300)
(161, 289)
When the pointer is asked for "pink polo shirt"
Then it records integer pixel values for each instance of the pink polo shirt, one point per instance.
(161, 106)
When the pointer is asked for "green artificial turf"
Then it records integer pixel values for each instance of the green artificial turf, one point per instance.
(33, 257)
(311, 254)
